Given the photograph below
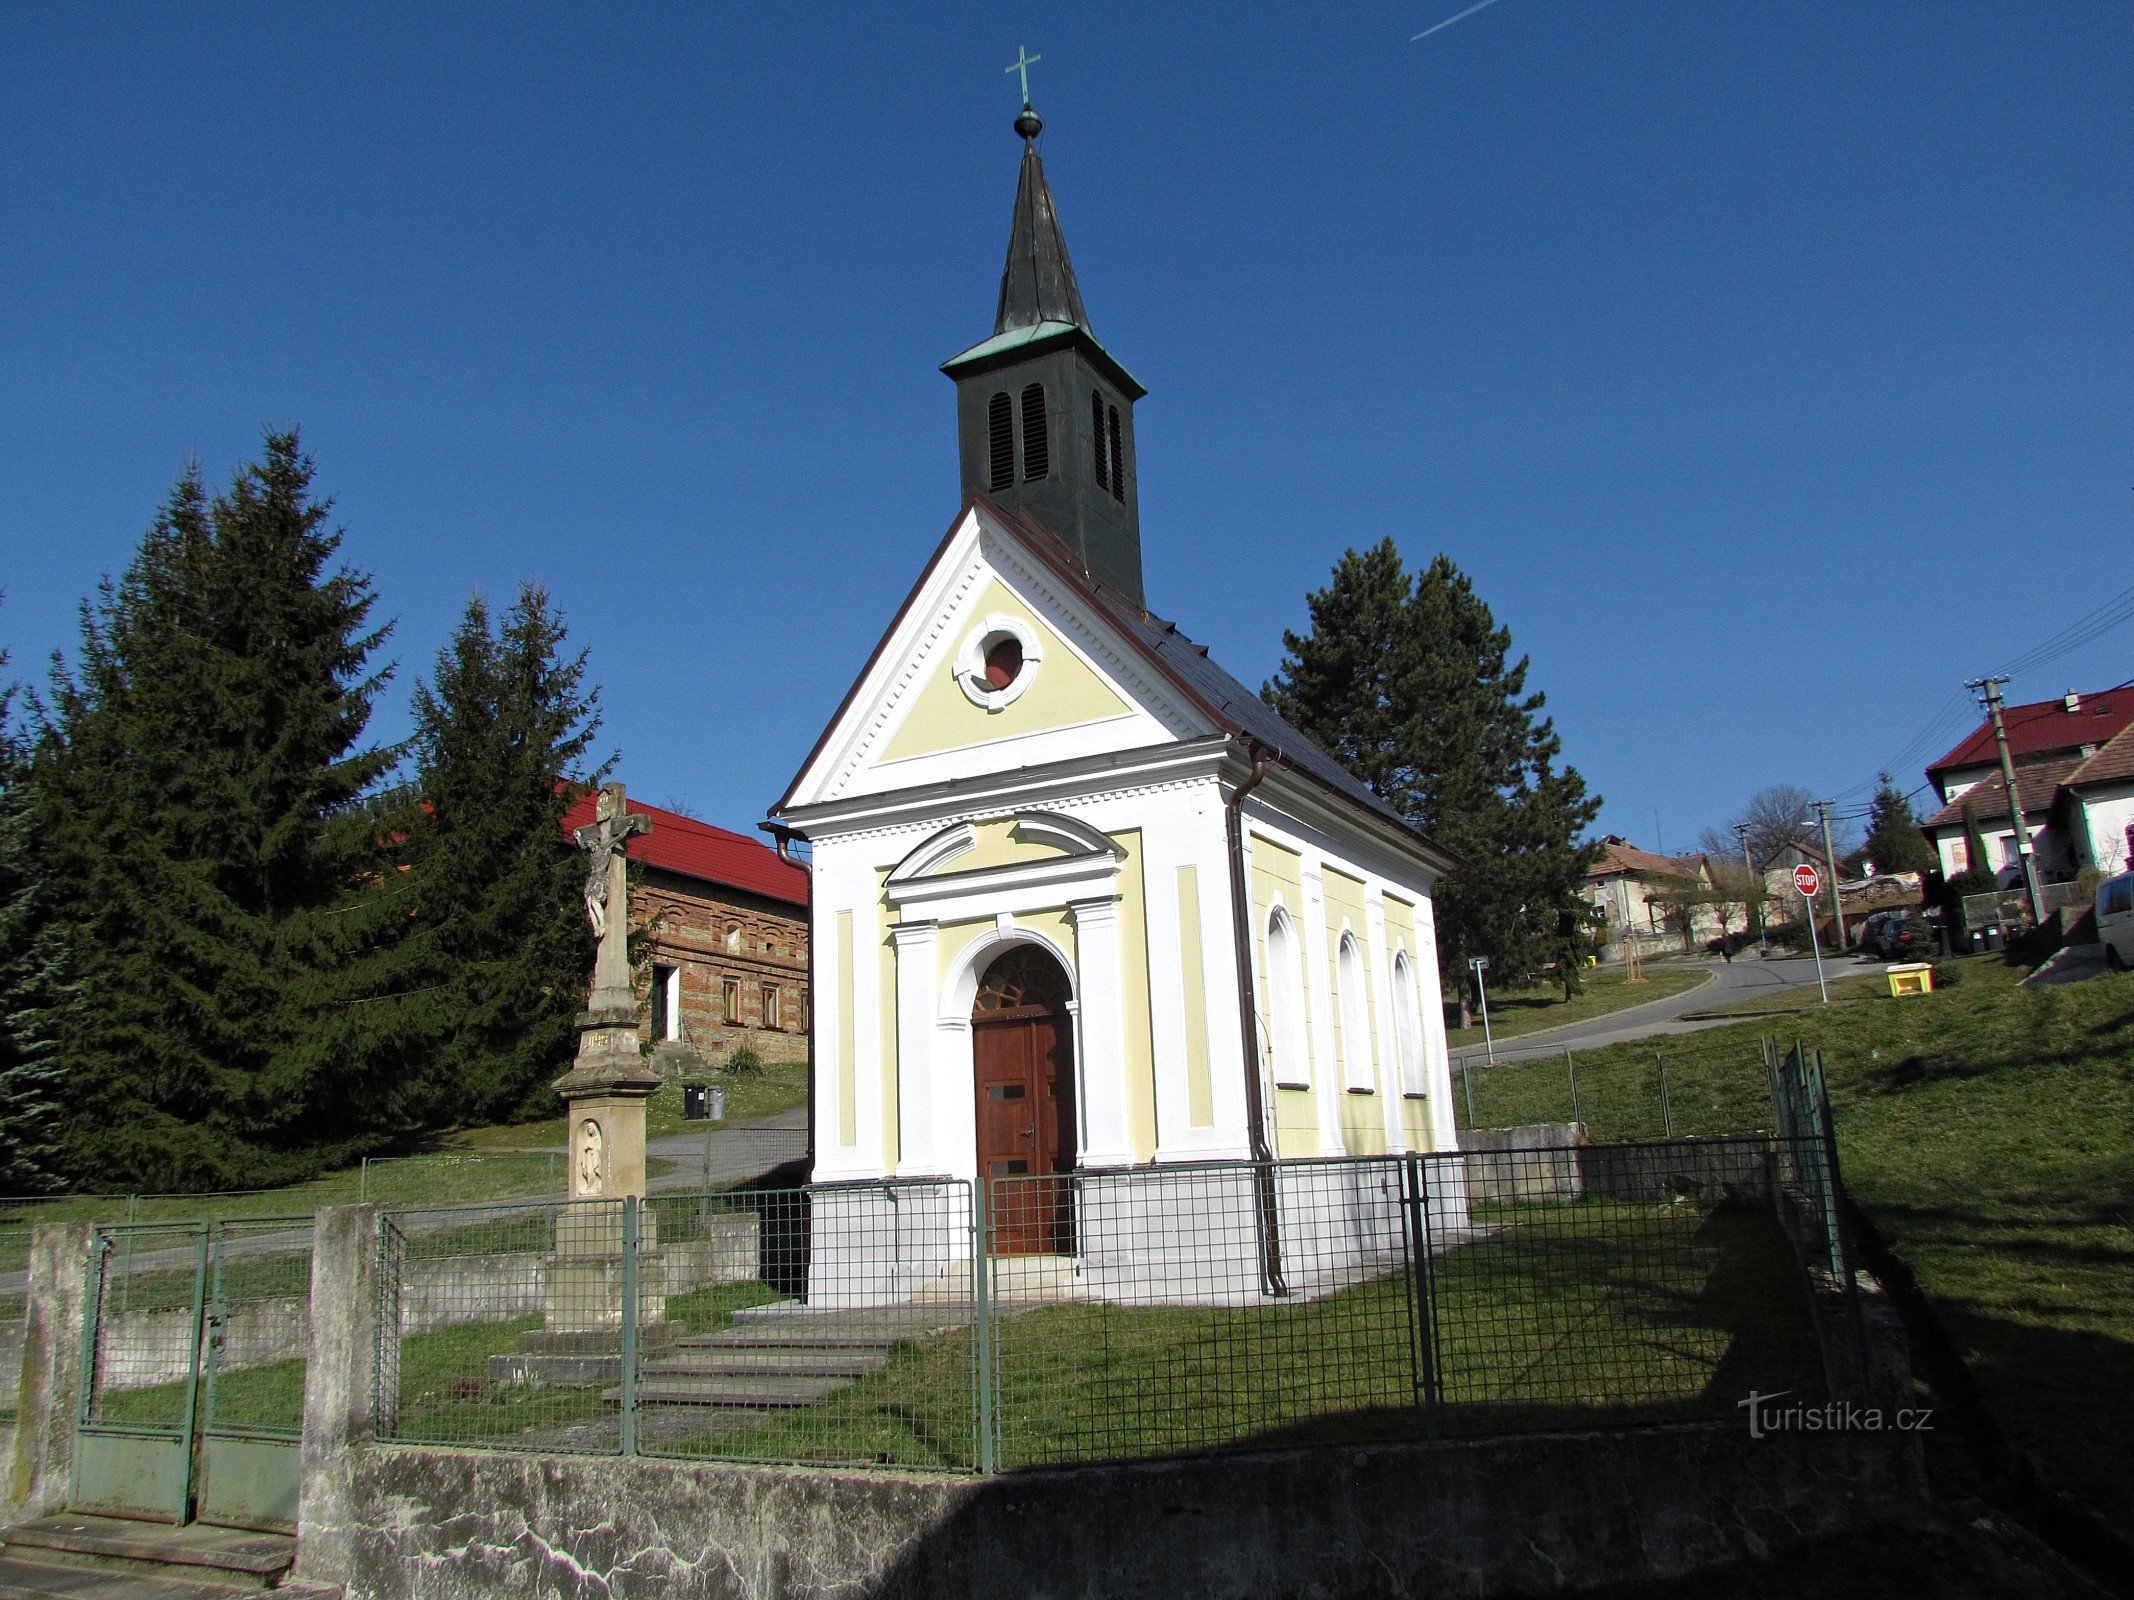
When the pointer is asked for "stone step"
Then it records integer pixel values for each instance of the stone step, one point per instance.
(225, 1558)
(21, 1579)
(853, 1361)
(839, 1329)
(759, 1391)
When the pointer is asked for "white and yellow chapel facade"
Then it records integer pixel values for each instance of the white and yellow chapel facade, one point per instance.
(1082, 903)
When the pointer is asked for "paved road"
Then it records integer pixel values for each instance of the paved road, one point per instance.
(732, 1153)
(1745, 978)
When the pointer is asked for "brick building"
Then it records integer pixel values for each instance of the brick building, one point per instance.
(726, 962)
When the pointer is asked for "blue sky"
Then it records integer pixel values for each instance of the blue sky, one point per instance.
(1766, 364)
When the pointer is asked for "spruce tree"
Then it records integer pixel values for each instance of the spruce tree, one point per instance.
(1894, 842)
(502, 731)
(201, 793)
(1410, 684)
(34, 993)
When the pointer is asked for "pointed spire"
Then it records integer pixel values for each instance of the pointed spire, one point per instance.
(1037, 285)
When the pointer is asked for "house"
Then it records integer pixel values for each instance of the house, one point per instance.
(2095, 806)
(1638, 898)
(1083, 904)
(2049, 743)
(723, 927)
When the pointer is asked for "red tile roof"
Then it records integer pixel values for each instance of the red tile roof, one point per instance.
(696, 849)
(2046, 727)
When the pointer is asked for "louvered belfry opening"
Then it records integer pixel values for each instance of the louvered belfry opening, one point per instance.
(1118, 458)
(1096, 439)
(1037, 453)
(1000, 440)
(1020, 438)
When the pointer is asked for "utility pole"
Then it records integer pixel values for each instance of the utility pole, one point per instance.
(1991, 690)
(1830, 856)
(1754, 890)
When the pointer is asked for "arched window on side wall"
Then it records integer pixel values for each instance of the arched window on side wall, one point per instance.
(1355, 1017)
(1407, 1025)
(1000, 441)
(1285, 1004)
(1037, 451)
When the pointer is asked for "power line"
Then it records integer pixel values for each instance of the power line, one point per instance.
(2083, 630)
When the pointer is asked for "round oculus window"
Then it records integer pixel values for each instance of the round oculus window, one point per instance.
(997, 660)
(1003, 660)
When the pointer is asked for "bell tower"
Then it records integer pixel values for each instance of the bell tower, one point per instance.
(1044, 415)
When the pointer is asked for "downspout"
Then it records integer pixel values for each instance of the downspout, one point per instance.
(784, 838)
(1249, 1025)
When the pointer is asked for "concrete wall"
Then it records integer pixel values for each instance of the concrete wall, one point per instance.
(1502, 1516)
(1536, 1162)
(1553, 1161)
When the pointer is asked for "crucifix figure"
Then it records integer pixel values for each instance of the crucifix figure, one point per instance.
(604, 840)
(1021, 66)
(607, 889)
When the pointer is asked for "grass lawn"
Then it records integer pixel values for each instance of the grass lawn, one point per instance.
(1604, 989)
(1989, 1131)
(1583, 1314)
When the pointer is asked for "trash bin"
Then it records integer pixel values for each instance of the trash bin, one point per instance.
(718, 1103)
(694, 1096)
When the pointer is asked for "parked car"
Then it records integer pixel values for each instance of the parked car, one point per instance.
(1900, 935)
(2115, 921)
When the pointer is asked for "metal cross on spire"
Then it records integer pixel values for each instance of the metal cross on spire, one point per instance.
(1021, 66)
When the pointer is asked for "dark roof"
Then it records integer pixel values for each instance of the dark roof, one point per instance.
(1234, 708)
(2046, 727)
(2113, 764)
(1037, 285)
(698, 850)
(1988, 799)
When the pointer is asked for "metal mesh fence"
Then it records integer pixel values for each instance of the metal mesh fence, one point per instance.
(258, 1325)
(823, 1324)
(1599, 1285)
(1617, 1092)
(1132, 1313)
(1154, 1311)
(827, 1324)
(501, 1325)
(150, 1287)
(200, 1321)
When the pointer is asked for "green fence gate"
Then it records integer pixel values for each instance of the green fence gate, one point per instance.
(194, 1337)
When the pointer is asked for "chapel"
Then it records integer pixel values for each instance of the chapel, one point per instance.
(1081, 902)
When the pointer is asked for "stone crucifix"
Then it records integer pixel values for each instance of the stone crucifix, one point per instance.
(605, 840)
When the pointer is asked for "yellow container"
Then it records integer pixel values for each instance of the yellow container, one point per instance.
(1910, 977)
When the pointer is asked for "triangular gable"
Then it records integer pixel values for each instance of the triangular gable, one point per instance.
(908, 720)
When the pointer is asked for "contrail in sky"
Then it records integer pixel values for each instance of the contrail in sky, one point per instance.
(1449, 21)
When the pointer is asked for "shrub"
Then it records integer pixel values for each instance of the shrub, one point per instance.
(1947, 974)
(743, 1062)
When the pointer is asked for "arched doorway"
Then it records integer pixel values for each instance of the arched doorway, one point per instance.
(1022, 1041)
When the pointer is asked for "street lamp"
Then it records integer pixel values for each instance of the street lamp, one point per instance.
(1753, 890)
(1479, 965)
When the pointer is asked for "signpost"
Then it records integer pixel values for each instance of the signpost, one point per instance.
(1808, 880)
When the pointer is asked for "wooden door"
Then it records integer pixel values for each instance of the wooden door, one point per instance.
(1025, 1061)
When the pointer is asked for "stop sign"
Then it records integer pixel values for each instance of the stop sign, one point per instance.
(1807, 879)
